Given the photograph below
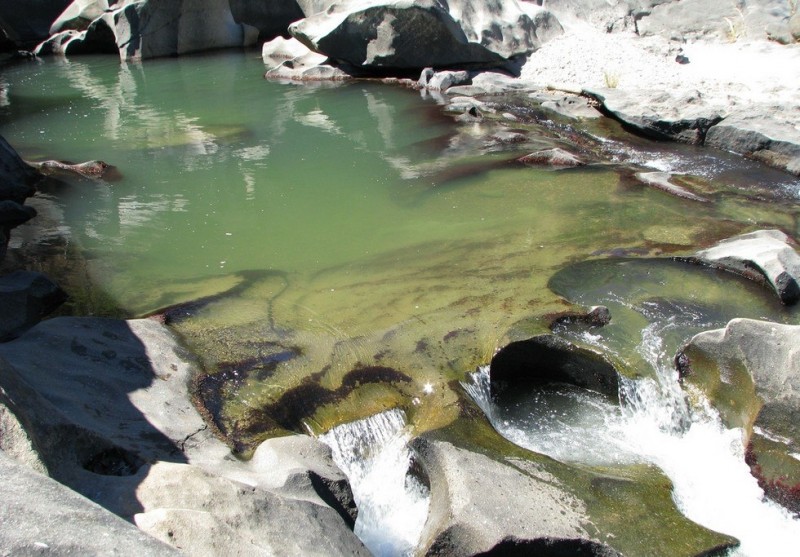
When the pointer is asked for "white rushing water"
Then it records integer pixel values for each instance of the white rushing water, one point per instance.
(392, 504)
(712, 484)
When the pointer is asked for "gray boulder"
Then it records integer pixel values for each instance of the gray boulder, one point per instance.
(406, 35)
(661, 114)
(150, 28)
(42, 517)
(26, 297)
(480, 505)
(763, 256)
(750, 371)
(103, 406)
(763, 134)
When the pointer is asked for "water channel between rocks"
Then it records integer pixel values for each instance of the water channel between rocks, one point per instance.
(336, 251)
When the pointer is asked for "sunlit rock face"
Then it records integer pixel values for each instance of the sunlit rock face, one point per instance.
(423, 33)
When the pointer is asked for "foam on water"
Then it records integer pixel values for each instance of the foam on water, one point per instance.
(712, 484)
(392, 504)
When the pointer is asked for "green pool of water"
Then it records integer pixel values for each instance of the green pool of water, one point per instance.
(353, 248)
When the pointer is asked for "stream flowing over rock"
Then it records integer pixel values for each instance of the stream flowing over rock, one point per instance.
(750, 370)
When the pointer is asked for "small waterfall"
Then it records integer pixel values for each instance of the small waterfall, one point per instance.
(712, 484)
(392, 503)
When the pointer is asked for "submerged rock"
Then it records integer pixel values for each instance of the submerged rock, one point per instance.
(662, 181)
(763, 255)
(555, 158)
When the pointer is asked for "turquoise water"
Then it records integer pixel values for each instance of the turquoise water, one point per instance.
(350, 224)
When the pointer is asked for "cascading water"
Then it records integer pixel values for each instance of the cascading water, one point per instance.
(392, 503)
(712, 484)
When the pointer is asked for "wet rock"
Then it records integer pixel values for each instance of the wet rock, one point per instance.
(598, 316)
(763, 255)
(94, 170)
(103, 406)
(26, 297)
(16, 177)
(752, 358)
(41, 516)
(660, 114)
(13, 214)
(662, 181)
(750, 370)
(423, 33)
(484, 506)
(762, 133)
(545, 359)
(554, 158)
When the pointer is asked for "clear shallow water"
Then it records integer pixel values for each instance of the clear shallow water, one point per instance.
(353, 225)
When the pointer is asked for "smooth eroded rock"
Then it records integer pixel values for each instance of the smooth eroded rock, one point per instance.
(484, 506)
(661, 114)
(415, 34)
(761, 255)
(546, 359)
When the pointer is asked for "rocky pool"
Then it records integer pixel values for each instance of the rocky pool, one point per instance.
(335, 251)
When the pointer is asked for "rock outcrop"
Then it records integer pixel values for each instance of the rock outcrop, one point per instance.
(149, 29)
(750, 370)
(412, 35)
(763, 256)
(103, 407)
(660, 114)
(483, 506)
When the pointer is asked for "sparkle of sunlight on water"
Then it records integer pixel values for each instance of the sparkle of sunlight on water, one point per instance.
(392, 504)
(712, 484)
